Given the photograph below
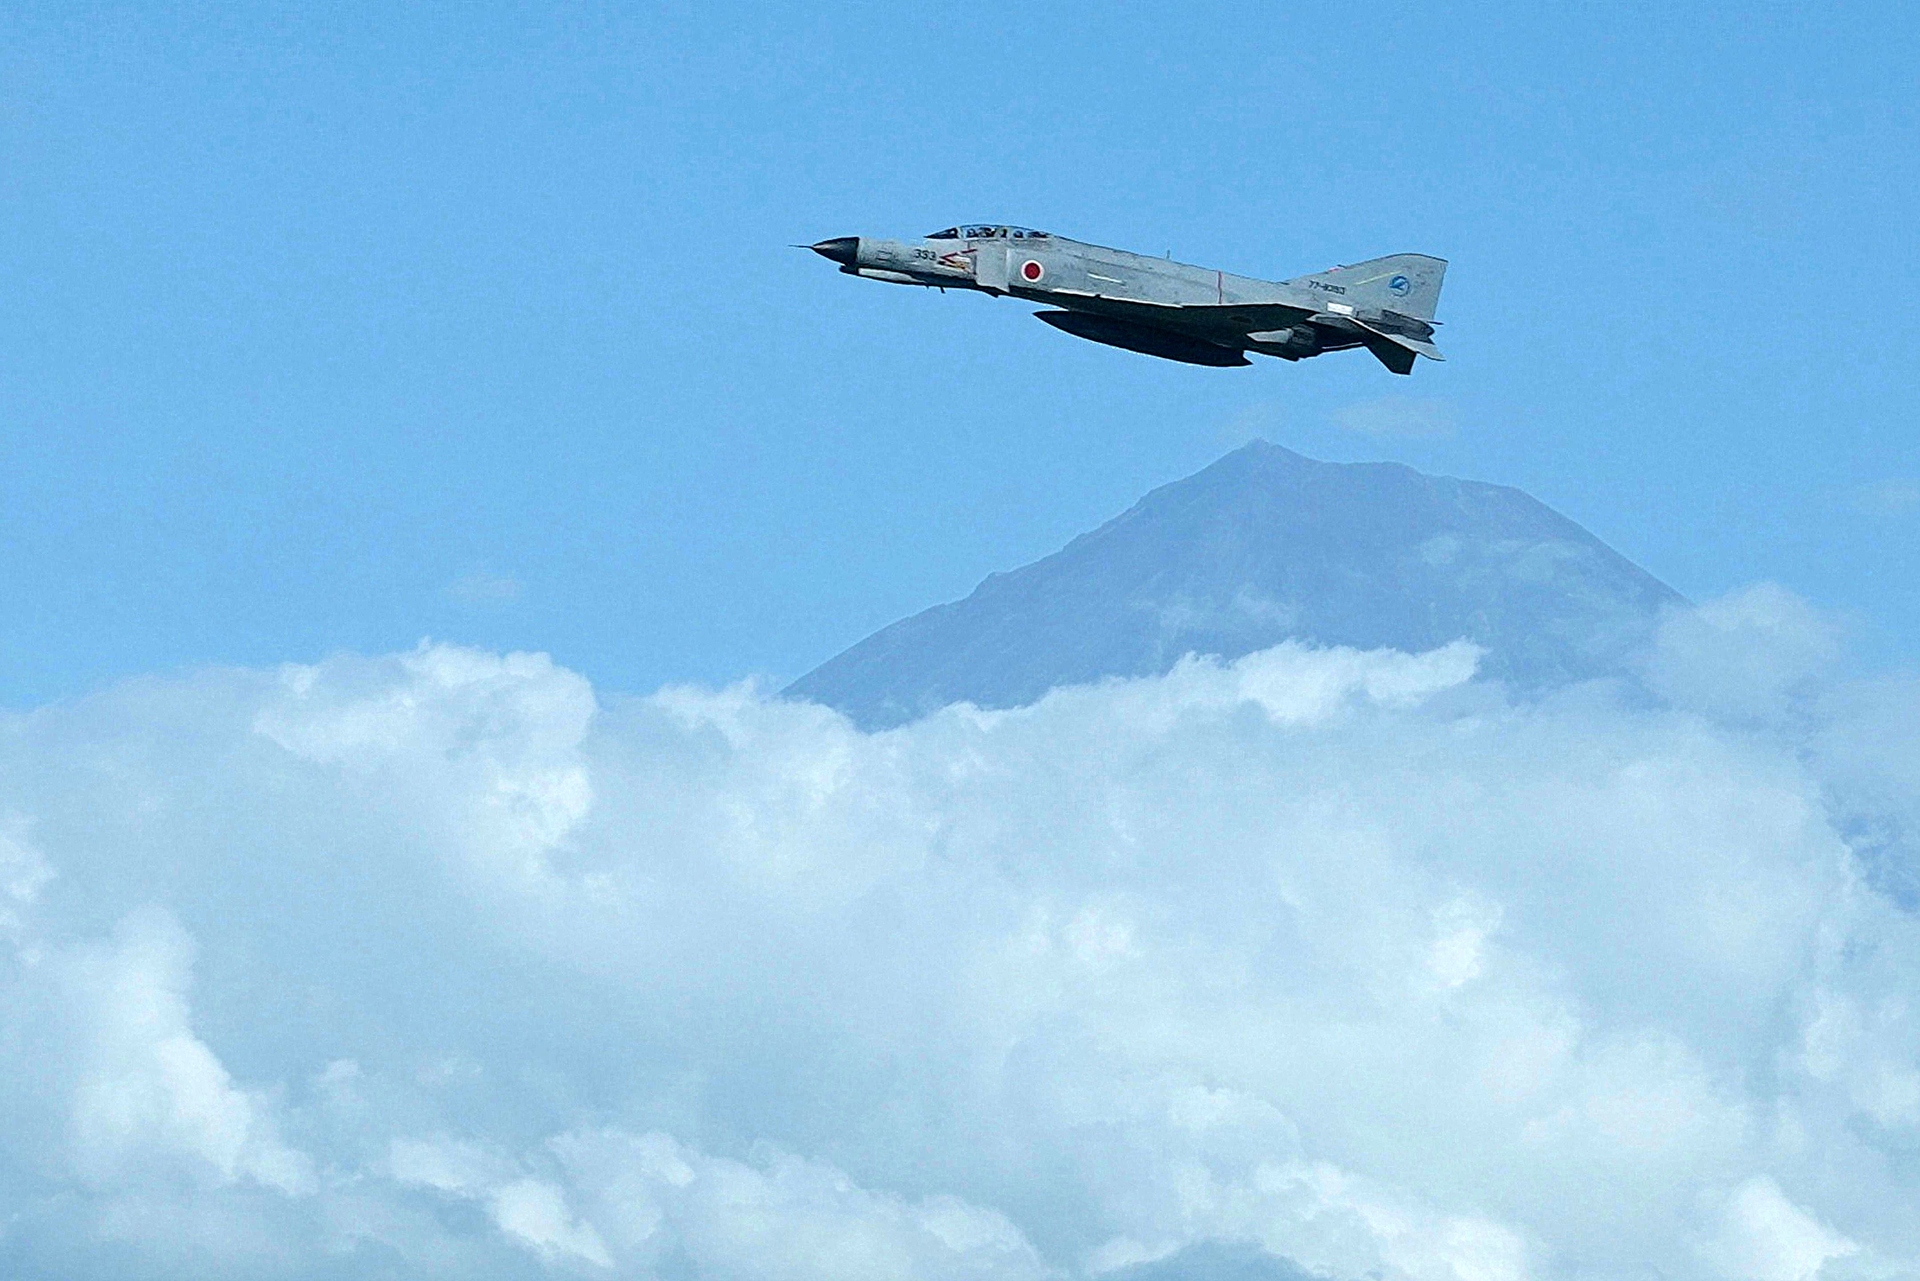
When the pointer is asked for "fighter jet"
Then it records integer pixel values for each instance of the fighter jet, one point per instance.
(1170, 309)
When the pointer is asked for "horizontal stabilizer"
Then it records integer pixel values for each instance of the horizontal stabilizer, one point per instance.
(1395, 350)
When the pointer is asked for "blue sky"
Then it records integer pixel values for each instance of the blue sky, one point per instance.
(331, 330)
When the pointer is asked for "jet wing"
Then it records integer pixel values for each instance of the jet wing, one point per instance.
(1393, 338)
(1228, 324)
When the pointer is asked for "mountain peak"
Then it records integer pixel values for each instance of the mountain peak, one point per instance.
(1264, 545)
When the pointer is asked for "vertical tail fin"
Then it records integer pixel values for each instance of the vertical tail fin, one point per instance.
(1406, 283)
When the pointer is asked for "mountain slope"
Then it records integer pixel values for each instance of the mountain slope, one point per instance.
(1264, 545)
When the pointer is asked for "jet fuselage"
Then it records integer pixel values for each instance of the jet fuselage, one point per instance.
(1176, 310)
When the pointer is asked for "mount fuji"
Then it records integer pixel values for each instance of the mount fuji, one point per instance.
(1264, 546)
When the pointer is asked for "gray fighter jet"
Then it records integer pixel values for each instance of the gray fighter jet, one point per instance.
(1166, 308)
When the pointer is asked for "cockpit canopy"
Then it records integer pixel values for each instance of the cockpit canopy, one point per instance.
(981, 231)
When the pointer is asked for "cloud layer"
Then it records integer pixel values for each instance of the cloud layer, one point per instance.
(1320, 961)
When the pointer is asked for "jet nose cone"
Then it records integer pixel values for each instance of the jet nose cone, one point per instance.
(842, 249)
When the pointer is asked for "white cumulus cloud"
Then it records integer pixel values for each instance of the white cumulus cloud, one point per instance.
(1321, 962)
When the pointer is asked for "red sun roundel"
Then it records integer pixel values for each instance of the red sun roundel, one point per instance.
(1032, 270)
